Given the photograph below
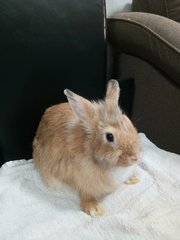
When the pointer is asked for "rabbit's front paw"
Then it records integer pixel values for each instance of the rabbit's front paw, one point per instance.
(133, 180)
(92, 208)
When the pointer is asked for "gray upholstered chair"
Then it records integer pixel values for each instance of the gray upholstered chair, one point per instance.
(146, 46)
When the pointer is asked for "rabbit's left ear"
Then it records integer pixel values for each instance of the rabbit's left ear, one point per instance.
(112, 92)
(81, 106)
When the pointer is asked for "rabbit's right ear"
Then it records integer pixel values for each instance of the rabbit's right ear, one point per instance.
(81, 106)
(112, 92)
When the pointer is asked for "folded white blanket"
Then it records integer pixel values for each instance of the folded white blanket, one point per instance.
(149, 210)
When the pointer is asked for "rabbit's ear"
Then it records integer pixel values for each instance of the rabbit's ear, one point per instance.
(113, 91)
(81, 106)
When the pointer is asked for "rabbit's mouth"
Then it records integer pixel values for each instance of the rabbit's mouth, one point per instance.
(105, 163)
(125, 164)
(127, 161)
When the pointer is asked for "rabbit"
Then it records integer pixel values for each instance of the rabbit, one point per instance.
(82, 143)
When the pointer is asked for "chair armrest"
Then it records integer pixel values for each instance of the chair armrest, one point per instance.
(153, 38)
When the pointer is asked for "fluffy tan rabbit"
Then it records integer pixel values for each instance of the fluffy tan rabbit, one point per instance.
(81, 143)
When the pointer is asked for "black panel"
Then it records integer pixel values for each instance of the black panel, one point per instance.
(45, 46)
(127, 95)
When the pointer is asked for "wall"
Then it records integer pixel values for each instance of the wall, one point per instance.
(114, 6)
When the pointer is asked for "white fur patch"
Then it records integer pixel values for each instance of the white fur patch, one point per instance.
(121, 174)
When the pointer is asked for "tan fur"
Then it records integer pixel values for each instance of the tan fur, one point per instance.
(70, 145)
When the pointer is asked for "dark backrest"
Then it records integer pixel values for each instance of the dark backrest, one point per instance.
(45, 47)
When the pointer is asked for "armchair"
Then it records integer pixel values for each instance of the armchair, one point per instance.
(146, 47)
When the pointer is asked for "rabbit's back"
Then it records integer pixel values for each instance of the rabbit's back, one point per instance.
(50, 143)
(53, 122)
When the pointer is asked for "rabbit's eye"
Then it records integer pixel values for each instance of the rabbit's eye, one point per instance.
(109, 137)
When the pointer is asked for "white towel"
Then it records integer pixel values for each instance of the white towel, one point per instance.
(149, 210)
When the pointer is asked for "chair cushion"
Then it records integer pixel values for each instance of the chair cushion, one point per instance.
(166, 8)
